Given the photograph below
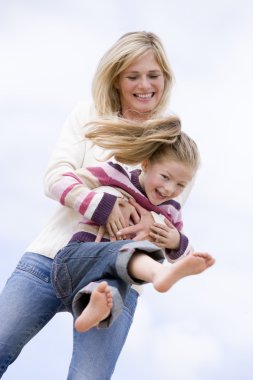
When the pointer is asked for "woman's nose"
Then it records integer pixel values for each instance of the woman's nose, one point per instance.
(144, 82)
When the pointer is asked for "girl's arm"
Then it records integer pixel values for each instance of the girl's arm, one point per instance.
(75, 190)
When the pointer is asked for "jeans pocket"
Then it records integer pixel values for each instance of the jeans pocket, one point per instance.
(61, 280)
(44, 276)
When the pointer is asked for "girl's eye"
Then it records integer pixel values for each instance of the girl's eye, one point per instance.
(154, 76)
(164, 176)
(132, 78)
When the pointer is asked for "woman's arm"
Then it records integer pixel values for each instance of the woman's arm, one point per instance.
(69, 152)
(75, 190)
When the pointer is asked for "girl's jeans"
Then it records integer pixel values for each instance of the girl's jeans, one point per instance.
(29, 302)
(79, 266)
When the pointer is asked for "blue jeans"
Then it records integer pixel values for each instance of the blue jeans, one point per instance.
(80, 264)
(29, 302)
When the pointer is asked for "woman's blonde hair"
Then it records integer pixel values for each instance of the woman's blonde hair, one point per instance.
(155, 140)
(121, 55)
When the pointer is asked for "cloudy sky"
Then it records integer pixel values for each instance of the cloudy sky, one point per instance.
(202, 329)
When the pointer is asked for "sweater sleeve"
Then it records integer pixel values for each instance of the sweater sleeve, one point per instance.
(70, 149)
(63, 182)
(76, 190)
(175, 216)
(184, 249)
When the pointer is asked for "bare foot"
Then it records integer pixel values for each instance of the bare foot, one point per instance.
(194, 263)
(98, 308)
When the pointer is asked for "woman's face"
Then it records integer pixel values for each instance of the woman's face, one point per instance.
(141, 87)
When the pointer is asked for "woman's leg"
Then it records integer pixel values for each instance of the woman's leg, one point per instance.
(96, 352)
(27, 303)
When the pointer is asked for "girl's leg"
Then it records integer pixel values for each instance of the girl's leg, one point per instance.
(27, 303)
(96, 352)
(78, 269)
(143, 267)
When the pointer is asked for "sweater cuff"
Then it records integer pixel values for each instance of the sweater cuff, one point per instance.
(104, 209)
(175, 254)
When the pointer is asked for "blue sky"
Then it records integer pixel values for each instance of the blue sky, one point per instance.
(202, 329)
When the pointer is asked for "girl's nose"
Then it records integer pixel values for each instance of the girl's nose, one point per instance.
(170, 189)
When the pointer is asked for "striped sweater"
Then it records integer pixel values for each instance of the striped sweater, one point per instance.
(78, 191)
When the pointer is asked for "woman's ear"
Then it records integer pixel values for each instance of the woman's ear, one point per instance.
(116, 84)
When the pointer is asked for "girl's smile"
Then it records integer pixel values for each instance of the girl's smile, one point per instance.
(164, 180)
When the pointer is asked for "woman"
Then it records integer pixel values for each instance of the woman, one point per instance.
(134, 80)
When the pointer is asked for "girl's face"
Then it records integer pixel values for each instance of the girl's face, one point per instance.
(141, 87)
(164, 180)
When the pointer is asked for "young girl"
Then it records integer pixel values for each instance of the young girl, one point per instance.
(96, 280)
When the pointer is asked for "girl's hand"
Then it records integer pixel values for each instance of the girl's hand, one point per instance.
(165, 236)
(141, 229)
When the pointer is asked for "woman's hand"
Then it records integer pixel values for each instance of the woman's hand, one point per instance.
(121, 215)
(129, 212)
(115, 220)
(141, 229)
(165, 236)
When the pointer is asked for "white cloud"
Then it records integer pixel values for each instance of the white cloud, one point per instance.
(184, 351)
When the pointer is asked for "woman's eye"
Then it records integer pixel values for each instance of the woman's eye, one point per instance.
(132, 78)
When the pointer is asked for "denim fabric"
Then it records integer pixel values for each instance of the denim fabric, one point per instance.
(96, 351)
(29, 302)
(79, 264)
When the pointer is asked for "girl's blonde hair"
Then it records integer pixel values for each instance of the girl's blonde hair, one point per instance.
(155, 140)
(121, 55)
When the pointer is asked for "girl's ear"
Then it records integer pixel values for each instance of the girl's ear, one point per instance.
(144, 165)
